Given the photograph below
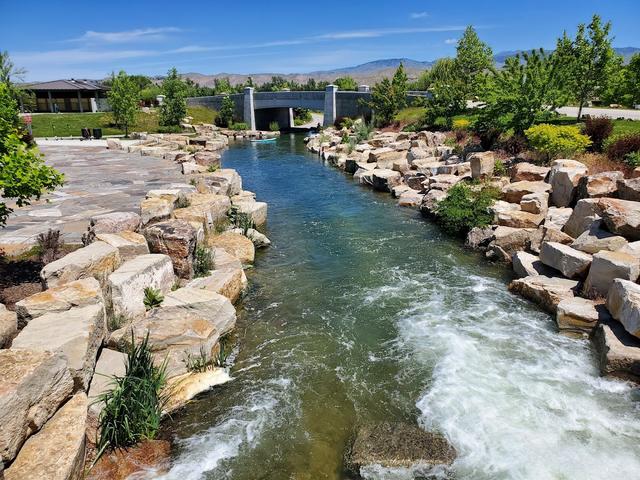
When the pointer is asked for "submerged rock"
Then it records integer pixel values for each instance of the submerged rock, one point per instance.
(390, 445)
(146, 459)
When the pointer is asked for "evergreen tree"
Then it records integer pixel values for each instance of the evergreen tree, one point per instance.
(225, 116)
(474, 58)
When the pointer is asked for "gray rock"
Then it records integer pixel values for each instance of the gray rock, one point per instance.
(557, 217)
(385, 179)
(571, 262)
(606, 267)
(586, 212)
(177, 239)
(482, 164)
(8, 326)
(623, 301)
(617, 351)
(479, 238)
(596, 239)
(579, 316)
(537, 203)
(525, 265)
(547, 292)
(564, 184)
(629, 189)
(115, 222)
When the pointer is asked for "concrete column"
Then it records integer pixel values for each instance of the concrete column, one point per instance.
(291, 121)
(50, 101)
(363, 88)
(249, 110)
(80, 102)
(329, 105)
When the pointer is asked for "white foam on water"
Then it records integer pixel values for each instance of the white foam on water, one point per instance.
(240, 429)
(516, 399)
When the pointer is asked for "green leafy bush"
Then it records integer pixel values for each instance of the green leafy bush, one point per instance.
(133, 407)
(555, 141)
(499, 169)
(239, 126)
(152, 298)
(225, 115)
(466, 207)
(274, 126)
(632, 159)
(203, 261)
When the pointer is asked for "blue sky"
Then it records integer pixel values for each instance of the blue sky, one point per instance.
(65, 39)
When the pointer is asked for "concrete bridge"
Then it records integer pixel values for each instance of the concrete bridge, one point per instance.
(258, 109)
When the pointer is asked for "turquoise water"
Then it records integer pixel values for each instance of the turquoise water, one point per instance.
(361, 311)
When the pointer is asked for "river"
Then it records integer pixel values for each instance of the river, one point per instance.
(360, 312)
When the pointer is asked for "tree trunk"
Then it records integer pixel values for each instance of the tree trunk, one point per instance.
(580, 109)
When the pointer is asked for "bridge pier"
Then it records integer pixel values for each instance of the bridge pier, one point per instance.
(249, 110)
(329, 105)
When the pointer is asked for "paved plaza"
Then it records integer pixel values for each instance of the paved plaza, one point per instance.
(97, 181)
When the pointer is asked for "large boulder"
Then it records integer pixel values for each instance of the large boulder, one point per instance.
(529, 172)
(586, 212)
(547, 234)
(618, 352)
(257, 211)
(114, 222)
(579, 316)
(596, 239)
(33, 385)
(57, 451)
(520, 219)
(8, 326)
(547, 292)
(207, 209)
(571, 262)
(76, 333)
(129, 244)
(110, 363)
(177, 239)
(564, 184)
(526, 264)
(621, 217)
(155, 209)
(149, 457)
(79, 293)
(398, 445)
(410, 198)
(508, 240)
(606, 267)
(514, 192)
(96, 260)
(629, 189)
(482, 164)
(127, 283)
(623, 302)
(385, 179)
(557, 217)
(430, 201)
(226, 180)
(234, 244)
(190, 322)
(599, 185)
(537, 203)
(479, 238)
(227, 279)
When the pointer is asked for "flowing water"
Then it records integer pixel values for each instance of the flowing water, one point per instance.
(361, 312)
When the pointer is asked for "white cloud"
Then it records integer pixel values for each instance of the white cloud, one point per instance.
(77, 56)
(451, 41)
(416, 15)
(139, 34)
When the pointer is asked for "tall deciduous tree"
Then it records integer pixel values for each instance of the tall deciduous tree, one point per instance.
(174, 106)
(23, 174)
(474, 58)
(346, 83)
(587, 60)
(389, 96)
(124, 97)
(447, 91)
(633, 79)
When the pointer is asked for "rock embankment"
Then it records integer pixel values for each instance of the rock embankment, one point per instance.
(59, 346)
(572, 238)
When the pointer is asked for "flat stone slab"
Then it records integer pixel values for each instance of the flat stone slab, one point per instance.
(547, 292)
(110, 363)
(57, 451)
(97, 181)
(236, 245)
(76, 333)
(33, 384)
(579, 316)
(571, 262)
(618, 352)
(129, 244)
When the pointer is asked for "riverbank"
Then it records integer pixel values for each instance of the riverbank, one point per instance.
(173, 270)
(572, 239)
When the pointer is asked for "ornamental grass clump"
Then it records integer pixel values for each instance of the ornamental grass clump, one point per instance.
(133, 407)
(466, 207)
(203, 261)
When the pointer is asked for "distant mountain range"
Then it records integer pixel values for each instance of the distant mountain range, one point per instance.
(366, 73)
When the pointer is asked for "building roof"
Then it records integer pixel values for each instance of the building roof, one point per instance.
(70, 85)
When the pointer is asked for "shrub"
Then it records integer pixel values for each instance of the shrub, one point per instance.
(203, 261)
(499, 169)
(620, 147)
(514, 144)
(240, 220)
(598, 130)
(214, 167)
(170, 129)
(632, 159)
(554, 141)
(49, 245)
(461, 124)
(466, 207)
(183, 202)
(362, 131)
(133, 407)
(152, 298)
(274, 126)
(239, 126)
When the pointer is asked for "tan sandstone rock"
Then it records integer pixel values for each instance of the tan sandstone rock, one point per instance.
(623, 302)
(177, 239)
(8, 326)
(514, 192)
(528, 171)
(129, 244)
(547, 292)
(571, 262)
(621, 217)
(617, 351)
(606, 267)
(579, 316)
(596, 239)
(235, 244)
(599, 185)
(482, 164)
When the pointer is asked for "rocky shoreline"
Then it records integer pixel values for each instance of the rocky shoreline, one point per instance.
(61, 346)
(571, 238)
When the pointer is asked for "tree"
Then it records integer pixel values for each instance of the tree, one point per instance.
(400, 87)
(346, 83)
(473, 60)
(587, 60)
(389, 97)
(225, 116)
(174, 106)
(23, 174)
(8, 74)
(447, 91)
(124, 97)
(633, 79)
(523, 91)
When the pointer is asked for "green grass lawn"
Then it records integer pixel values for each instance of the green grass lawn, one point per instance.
(71, 124)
